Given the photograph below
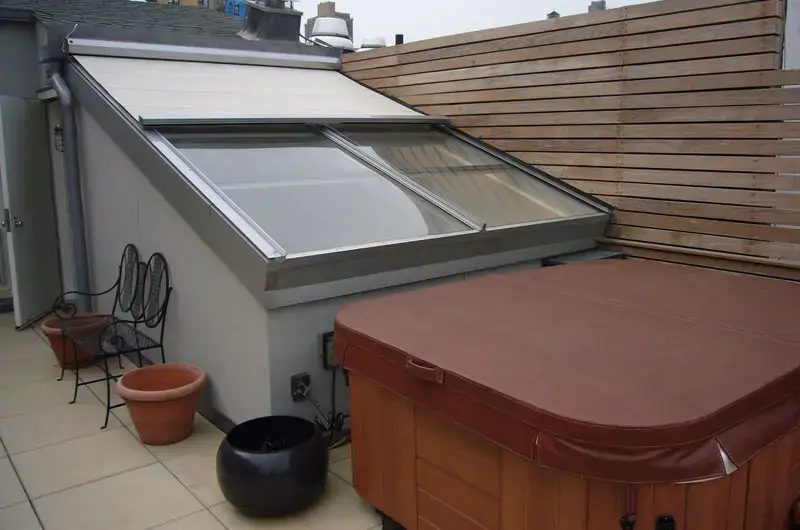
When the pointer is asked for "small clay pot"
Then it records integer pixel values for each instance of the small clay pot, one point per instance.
(63, 348)
(162, 400)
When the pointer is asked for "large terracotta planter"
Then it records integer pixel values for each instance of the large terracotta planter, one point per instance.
(162, 400)
(65, 349)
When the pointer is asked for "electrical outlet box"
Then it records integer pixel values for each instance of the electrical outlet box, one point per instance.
(326, 351)
(300, 386)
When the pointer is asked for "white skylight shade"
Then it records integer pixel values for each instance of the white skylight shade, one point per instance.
(309, 195)
(477, 182)
(173, 89)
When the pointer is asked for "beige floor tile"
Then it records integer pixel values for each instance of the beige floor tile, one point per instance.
(53, 425)
(340, 453)
(37, 395)
(204, 440)
(11, 491)
(339, 509)
(61, 466)
(14, 372)
(343, 469)
(197, 521)
(19, 517)
(198, 472)
(135, 500)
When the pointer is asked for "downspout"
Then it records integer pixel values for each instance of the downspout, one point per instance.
(73, 186)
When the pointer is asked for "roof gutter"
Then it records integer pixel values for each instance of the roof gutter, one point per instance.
(73, 185)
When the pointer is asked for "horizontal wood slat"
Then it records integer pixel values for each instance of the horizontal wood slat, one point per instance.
(601, 52)
(709, 179)
(654, 116)
(718, 81)
(596, 39)
(676, 113)
(710, 260)
(623, 15)
(758, 59)
(702, 147)
(688, 131)
(772, 96)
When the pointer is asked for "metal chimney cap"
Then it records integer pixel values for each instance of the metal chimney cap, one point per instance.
(342, 43)
(373, 42)
(330, 27)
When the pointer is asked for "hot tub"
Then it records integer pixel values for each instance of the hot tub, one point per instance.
(576, 396)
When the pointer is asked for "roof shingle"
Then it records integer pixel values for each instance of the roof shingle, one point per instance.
(125, 14)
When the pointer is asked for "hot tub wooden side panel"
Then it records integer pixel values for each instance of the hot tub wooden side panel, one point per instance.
(428, 473)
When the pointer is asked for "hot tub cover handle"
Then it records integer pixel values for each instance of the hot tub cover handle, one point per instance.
(425, 373)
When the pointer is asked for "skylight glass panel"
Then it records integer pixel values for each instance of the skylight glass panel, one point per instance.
(464, 175)
(309, 195)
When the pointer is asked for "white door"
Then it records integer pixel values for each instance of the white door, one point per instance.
(29, 212)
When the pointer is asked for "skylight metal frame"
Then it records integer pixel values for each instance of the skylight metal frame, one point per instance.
(327, 130)
(179, 121)
(265, 243)
(391, 173)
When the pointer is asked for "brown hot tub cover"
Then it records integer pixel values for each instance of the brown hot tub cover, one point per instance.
(621, 370)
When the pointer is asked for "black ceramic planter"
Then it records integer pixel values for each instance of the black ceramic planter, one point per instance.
(273, 466)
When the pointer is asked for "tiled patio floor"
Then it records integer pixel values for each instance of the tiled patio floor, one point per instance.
(59, 471)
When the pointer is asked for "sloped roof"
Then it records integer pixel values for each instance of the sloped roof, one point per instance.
(131, 15)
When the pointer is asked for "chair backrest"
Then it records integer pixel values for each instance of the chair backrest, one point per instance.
(128, 279)
(153, 291)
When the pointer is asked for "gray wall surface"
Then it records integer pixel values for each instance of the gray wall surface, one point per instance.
(213, 320)
(294, 345)
(19, 68)
(791, 36)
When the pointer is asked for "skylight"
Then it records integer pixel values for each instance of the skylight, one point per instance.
(320, 189)
(308, 194)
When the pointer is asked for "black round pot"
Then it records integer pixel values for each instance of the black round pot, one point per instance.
(273, 466)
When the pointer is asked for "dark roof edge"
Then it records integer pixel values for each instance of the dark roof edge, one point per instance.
(16, 14)
(175, 38)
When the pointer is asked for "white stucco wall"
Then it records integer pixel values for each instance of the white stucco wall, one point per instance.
(213, 321)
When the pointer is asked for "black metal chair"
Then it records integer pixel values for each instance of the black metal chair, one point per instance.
(121, 337)
(124, 290)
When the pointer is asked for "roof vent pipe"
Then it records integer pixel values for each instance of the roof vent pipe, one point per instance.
(74, 195)
(372, 43)
(271, 20)
(332, 31)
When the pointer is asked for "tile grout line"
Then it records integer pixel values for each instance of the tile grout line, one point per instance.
(22, 485)
(92, 481)
(64, 441)
(175, 519)
(206, 508)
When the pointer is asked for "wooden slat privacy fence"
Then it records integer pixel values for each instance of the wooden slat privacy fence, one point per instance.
(675, 112)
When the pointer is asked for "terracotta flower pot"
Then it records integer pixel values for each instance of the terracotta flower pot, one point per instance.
(162, 400)
(64, 349)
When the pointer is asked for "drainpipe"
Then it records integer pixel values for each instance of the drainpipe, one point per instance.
(73, 185)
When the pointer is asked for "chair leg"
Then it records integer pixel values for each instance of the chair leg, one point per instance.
(76, 371)
(121, 367)
(63, 356)
(108, 391)
(163, 357)
(139, 353)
